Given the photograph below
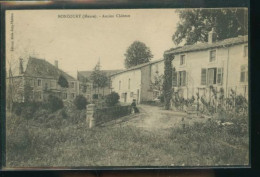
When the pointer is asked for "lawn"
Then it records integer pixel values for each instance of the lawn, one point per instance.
(61, 142)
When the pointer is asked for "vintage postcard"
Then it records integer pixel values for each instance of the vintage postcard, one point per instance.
(127, 88)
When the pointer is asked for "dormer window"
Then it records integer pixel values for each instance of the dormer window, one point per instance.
(212, 56)
(182, 59)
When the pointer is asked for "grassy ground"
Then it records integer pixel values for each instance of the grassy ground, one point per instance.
(61, 142)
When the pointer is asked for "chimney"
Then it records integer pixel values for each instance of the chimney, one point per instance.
(212, 36)
(56, 63)
(21, 66)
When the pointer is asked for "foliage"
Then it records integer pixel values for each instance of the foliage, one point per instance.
(199, 144)
(196, 23)
(157, 84)
(180, 102)
(26, 109)
(112, 99)
(137, 53)
(80, 102)
(63, 82)
(27, 92)
(107, 114)
(167, 81)
(99, 78)
(54, 103)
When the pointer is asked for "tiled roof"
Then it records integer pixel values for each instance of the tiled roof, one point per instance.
(205, 46)
(138, 66)
(42, 68)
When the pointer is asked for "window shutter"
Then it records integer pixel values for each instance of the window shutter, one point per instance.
(220, 76)
(184, 78)
(174, 79)
(178, 78)
(203, 76)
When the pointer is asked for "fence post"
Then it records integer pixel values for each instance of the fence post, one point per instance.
(90, 115)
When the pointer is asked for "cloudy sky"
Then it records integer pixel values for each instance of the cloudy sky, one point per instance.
(78, 43)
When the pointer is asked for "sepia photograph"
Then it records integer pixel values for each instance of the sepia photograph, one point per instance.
(127, 88)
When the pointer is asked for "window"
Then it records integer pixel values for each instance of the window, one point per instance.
(53, 84)
(212, 55)
(220, 76)
(244, 74)
(46, 86)
(119, 86)
(174, 78)
(64, 95)
(72, 85)
(212, 73)
(73, 95)
(245, 50)
(129, 82)
(211, 76)
(203, 76)
(182, 60)
(39, 82)
(182, 78)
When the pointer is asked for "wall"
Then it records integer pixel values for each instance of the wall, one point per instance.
(111, 113)
(195, 61)
(146, 91)
(132, 91)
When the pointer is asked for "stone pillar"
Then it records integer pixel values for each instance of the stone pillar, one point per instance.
(90, 115)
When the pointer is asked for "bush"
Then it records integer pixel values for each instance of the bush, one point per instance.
(80, 102)
(112, 99)
(54, 103)
(161, 97)
(63, 82)
(17, 108)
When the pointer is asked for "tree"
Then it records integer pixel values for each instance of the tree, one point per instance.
(196, 23)
(80, 102)
(167, 81)
(99, 78)
(137, 53)
(157, 84)
(63, 82)
(112, 99)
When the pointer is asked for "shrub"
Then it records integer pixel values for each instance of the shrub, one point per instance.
(63, 82)
(80, 102)
(112, 99)
(17, 108)
(161, 97)
(54, 103)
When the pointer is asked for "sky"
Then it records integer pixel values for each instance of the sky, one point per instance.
(79, 43)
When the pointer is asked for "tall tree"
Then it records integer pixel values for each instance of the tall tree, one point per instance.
(99, 78)
(137, 53)
(195, 24)
(167, 80)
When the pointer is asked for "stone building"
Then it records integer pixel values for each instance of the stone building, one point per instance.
(135, 82)
(221, 65)
(34, 79)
